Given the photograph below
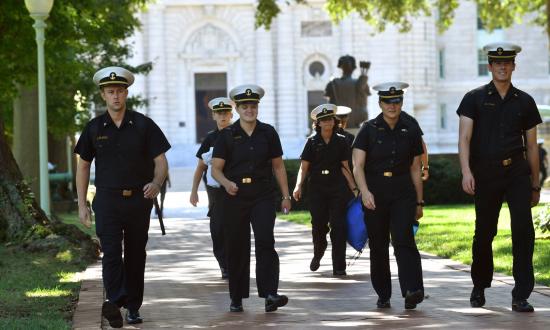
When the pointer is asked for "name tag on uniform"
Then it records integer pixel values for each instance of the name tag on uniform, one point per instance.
(102, 137)
(404, 130)
(489, 104)
(236, 137)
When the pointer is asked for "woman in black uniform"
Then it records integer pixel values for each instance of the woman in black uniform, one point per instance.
(325, 159)
(246, 156)
(386, 159)
(222, 113)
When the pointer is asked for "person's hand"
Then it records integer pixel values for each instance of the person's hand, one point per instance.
(535, 198)
(286, 205)
(85, 216)
(368, 200)
(419, 212)
(425, 174)
(151, 190)
(194, 198)
(468, 183)
(231, 188)
(297, 193)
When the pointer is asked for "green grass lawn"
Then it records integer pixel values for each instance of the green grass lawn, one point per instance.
(447, 231)
(38, 290)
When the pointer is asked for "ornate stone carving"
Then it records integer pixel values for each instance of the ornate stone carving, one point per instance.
(210, 41)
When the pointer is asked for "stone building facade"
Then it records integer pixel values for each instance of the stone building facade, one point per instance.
(201, 49)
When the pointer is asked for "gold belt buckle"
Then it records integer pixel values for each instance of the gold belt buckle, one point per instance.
(325, 172)
(507, 162)
(126, 193)
(388, 174)
(246, 180)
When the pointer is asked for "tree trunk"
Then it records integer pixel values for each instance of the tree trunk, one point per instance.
(21, 219)
(18, 208)
(25, 137)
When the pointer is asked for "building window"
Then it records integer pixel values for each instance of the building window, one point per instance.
(441, 56)
(316, 69)
(485, 37)
(316, 29)
(443, 116)
(482, 63)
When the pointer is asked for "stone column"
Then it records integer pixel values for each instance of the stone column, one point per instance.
(287, 116)
(264, 75)
(156, 80)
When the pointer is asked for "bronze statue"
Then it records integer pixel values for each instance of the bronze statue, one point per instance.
(350, 92)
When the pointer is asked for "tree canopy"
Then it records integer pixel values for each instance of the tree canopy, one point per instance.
(81, 37)
(379, 13)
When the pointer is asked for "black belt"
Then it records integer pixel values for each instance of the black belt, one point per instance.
(327, 171)
(128, 192)
(387, 174)
(248, 179)
(502, 162)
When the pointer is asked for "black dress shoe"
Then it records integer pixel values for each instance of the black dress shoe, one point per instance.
(236, 305)
(413, 298)
(274, 301)
(383, 303)
(339, 273)
(477, 298)
(315, 263)
(133, 317)
(111, 312)
(522, 306)
(225, 273)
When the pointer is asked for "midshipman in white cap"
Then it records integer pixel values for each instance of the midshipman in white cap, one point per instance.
(499, 159)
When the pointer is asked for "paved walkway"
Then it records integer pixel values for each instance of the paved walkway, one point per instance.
(183, 288)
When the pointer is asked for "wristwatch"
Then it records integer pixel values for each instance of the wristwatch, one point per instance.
(286, 197)
(537, 188)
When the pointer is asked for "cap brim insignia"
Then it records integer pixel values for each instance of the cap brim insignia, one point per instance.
(248, 92)
(221, 104)
(112, 76)
(500, 50)
(392, 90)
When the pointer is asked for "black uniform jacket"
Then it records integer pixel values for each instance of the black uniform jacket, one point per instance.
(123, 155)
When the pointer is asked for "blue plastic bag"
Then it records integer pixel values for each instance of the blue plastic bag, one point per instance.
(416, 224)
(355, 220)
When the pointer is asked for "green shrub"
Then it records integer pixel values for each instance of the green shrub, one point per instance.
(292, 167)
(445, 183)
(542, 219)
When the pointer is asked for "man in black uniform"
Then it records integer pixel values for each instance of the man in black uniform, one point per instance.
(386, 159)
(246, 155)
(222, 113)
(130, 167)
(500, 161)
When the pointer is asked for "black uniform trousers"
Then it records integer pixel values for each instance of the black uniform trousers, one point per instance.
(395, 212)
(494, 183)
(327, 205)
(253, 204)
(123, 219)
(215, 212)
